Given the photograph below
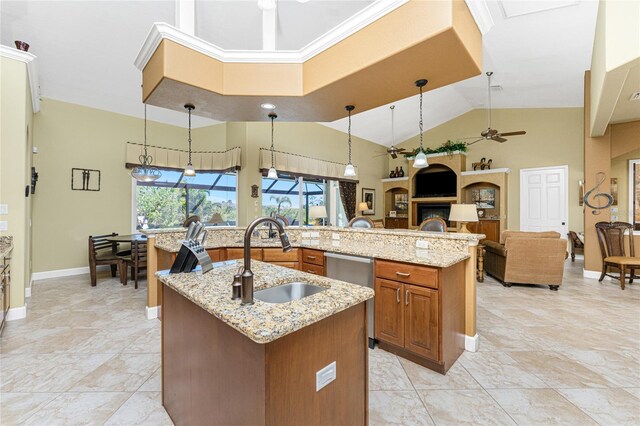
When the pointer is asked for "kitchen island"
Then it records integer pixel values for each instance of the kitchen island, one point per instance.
(227, 363)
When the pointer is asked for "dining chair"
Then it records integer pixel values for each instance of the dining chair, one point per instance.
(360, 222)
(576, 243)
(102, 252)
(136, 261)
(611, 237)
(433, 224)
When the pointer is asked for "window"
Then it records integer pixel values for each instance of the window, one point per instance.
(634, 194)
(168, 201)
(291, 197)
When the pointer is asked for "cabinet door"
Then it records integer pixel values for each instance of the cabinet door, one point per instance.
(491, 228)
(421, 321)
(474, 227)
(389, 321)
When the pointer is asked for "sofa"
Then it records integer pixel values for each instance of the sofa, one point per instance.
(527, 258)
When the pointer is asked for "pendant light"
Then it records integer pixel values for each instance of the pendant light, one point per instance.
(349, 170)
(420, 162)
(145, 172)
(189, 170)
(273, 174)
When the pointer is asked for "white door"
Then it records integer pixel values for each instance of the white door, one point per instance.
(543, 199)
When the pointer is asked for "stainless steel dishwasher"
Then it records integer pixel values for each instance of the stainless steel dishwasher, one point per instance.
(354, 270)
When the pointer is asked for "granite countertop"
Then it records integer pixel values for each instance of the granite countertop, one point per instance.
(6, 245)
(265, 322)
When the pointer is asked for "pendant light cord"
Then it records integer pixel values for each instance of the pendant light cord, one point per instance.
(272, 151)
(349, 136)
(489, 97)
(189, 136)
(145, 131)
(393, 132)
(420, 123)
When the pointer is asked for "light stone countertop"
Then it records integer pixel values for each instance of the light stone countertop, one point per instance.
(264, 322)
(442, 250)
(6, 245)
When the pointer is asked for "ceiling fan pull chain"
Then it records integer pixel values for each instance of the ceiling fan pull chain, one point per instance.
(489, 74)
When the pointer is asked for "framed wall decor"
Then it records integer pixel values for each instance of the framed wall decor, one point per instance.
(369, 197)
(85, 179)
(484, 198)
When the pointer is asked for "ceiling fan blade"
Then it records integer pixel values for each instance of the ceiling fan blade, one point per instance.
(520, 132)
(399, 150)
(394, 155)
(498, 139)
(470, 137)
(477, 140)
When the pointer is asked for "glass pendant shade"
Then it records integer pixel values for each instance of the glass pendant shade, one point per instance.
(273, 174)
(189, 170)
(420, 162)
(349, 171)
(145, 172)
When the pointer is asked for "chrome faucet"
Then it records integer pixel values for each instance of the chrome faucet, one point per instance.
(247, 275)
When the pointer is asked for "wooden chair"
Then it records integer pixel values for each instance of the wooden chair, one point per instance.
(576, 243)
(612, 247)
(433, 224)
(360, 222)
(102, 252)
(136, 261)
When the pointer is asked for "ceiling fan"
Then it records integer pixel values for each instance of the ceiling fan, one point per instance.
(393, 151)
(489, 133)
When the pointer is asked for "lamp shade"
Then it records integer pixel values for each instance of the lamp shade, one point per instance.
(317, 212)
(349, 170)
(363, 206)
(463, 213)
(420, 162)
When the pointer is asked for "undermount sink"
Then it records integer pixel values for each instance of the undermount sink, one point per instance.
(287, 292)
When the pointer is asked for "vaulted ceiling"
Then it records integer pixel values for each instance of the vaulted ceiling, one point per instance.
(538, 51)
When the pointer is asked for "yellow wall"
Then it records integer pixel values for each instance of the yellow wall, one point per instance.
(554, 137)
(15, 168)
(68, 136)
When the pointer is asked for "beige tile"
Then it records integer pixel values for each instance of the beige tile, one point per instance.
(150, 342)
(620, 368)
(423, 378)
(634, 391)
(498, 370)
(70, 409)
(539, 407)
(606, 406)
(154, 383)
(558, 371)
(386, 373)
(143, 408)
(15, 408)
(123, 372)
(397, 408)
(463, 407)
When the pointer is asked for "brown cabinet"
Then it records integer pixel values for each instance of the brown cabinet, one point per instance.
(315, 257)
(238, 253)
(419, 312)
(277, 255)
(5, 290)
(396, 223)
(489, 227)
(215, 255)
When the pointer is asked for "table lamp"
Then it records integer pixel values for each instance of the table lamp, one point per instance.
(463, 213)
(363, 207)
(317, 212)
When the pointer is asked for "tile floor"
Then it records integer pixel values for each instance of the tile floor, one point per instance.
(88, 356)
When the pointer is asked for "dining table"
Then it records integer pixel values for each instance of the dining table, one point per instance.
(134, 240)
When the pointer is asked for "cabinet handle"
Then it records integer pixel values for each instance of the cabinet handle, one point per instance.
(406, 297)
(311, 257)
(310, 271)
(398, 295)
(403, 274)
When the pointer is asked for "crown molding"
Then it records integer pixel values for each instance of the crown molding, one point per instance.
(32, 71)
(161, 31)
(480, 12)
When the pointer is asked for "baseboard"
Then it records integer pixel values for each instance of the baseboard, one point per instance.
(471, 343)
(36, 276)
(591, 274)
(152, 312)
(27, 291)
(17, 313)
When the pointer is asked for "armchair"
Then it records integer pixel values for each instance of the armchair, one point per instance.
(527, 258)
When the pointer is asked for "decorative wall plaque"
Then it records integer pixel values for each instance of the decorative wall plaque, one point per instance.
(85, 179)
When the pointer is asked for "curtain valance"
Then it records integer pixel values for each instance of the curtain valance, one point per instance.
(299, 165)
(171, 158)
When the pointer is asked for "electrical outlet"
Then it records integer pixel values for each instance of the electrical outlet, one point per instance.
(4, 225)
(306, 234)
(315, 235)
(325, 376)
(335, 243)
(614, 218)
(335, 236)
(614, 210)
(422, 244)
(4, 208)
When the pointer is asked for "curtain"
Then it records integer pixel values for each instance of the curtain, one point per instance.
(299, 165)
(170, 158)
(348, 197)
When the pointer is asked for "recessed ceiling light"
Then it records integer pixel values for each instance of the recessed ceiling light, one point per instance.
(267, 106)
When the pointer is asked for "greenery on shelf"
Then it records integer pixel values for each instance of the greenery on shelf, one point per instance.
(448, 147)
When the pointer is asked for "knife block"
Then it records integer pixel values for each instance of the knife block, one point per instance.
(190, 255)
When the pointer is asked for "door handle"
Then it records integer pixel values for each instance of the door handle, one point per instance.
(398, 295)
(406, 297)
(563, 223)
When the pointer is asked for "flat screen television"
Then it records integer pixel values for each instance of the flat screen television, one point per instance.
(436, 184)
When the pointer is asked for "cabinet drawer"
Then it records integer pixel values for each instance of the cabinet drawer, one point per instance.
(238, 253)
(412, 274)
(292, 265)
(214, 254)
(315, 257)
(277, 255)
(312, 269)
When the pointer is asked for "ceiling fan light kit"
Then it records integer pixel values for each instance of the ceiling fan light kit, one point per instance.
(145, 172)
(189, 170)
(420, 161)
(349, 170)
(272, 174)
